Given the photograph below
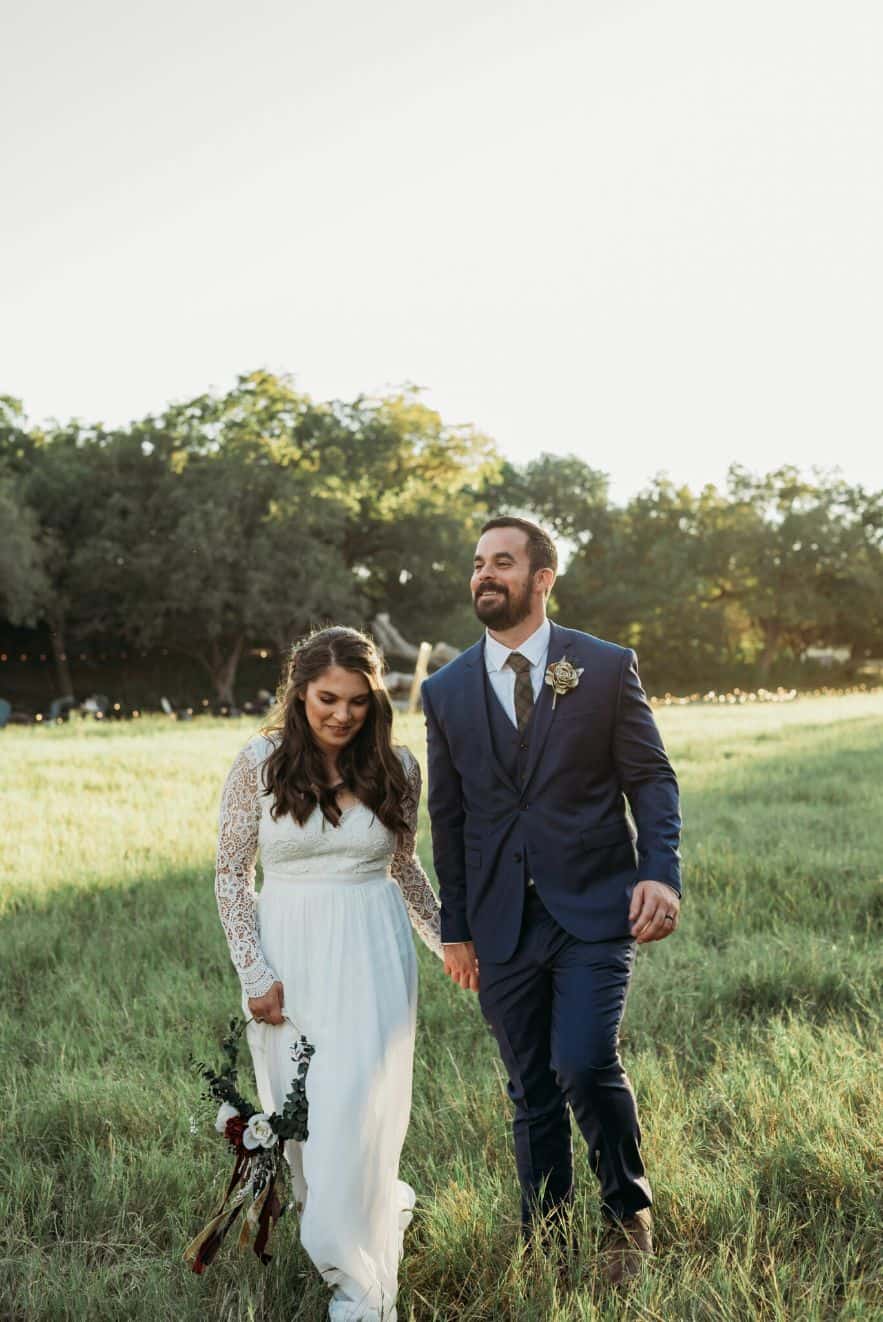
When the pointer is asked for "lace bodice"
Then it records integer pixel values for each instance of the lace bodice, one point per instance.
(359, 844)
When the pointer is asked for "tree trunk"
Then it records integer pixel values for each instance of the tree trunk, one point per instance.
(857, 655)
(59, 656)
(772, 636)
(223, 671)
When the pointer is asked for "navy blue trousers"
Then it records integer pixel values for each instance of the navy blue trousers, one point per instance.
(555, 1009)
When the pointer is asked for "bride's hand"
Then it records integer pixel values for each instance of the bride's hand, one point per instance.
(267, 1009)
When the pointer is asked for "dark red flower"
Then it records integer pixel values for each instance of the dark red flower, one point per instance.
(234, 1129)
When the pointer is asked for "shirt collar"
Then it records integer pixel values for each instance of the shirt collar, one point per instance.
(535, 647)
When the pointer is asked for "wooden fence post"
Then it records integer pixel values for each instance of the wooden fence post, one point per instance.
(420, 672)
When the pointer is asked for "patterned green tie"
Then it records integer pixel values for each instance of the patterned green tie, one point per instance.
(523, 689)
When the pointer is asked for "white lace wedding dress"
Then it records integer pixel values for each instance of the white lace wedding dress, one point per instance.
(331, 922)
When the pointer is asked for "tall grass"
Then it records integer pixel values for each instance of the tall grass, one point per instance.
(752, 1039)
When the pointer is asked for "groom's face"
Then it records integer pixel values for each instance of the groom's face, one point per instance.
(502, 582)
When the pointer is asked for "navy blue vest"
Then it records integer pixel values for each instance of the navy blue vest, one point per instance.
(511, 749)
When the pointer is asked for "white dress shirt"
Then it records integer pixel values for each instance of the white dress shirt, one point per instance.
(502, 677)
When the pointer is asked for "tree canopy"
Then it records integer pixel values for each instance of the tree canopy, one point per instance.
(247, 517)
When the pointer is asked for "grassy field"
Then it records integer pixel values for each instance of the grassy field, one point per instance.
(752, 1039)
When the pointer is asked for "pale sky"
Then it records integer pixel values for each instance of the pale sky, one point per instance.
(645, 233)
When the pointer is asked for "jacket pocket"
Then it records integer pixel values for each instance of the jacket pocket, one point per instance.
(577, 711)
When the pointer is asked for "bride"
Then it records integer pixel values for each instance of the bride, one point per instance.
(325, 949)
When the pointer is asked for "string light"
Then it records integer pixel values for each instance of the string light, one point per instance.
(738, 697)
(734, 697)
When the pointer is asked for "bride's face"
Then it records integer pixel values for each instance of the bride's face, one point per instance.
(336, 704)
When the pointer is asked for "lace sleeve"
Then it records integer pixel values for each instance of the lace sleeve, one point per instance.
(406, 868)
(240, 818)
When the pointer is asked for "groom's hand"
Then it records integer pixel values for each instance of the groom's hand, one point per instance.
(461, 964)
(653, 912)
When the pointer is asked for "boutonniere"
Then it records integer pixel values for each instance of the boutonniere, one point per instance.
(562, 676)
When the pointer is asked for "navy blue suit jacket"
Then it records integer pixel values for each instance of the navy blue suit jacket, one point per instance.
(567, 822)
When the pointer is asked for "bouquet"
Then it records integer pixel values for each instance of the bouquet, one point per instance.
(257, 1140)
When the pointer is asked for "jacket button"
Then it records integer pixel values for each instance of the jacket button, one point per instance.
(517, 858)
(523, 747)
(524, 807)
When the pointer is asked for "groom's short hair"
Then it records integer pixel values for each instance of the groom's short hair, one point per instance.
(540, 547)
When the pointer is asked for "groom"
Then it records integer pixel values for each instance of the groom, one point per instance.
(537, 736)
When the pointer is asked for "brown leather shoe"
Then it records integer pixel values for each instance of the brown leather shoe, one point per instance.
(627, 1245)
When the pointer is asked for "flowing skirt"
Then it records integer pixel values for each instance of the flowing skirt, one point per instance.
(344, 953)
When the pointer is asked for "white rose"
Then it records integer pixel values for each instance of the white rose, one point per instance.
(225, 1113)
(258, 1133)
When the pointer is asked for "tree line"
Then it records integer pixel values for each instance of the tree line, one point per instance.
(247, 517)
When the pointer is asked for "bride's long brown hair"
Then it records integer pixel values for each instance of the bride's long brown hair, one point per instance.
(294, 773)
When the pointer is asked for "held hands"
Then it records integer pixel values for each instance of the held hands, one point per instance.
(462, 965)
(653, 912)
(267, 1009)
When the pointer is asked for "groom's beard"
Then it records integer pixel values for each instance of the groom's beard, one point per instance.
(504, 611)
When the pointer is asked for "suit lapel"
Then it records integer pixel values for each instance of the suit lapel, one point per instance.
(544, 714)
(477, 709)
